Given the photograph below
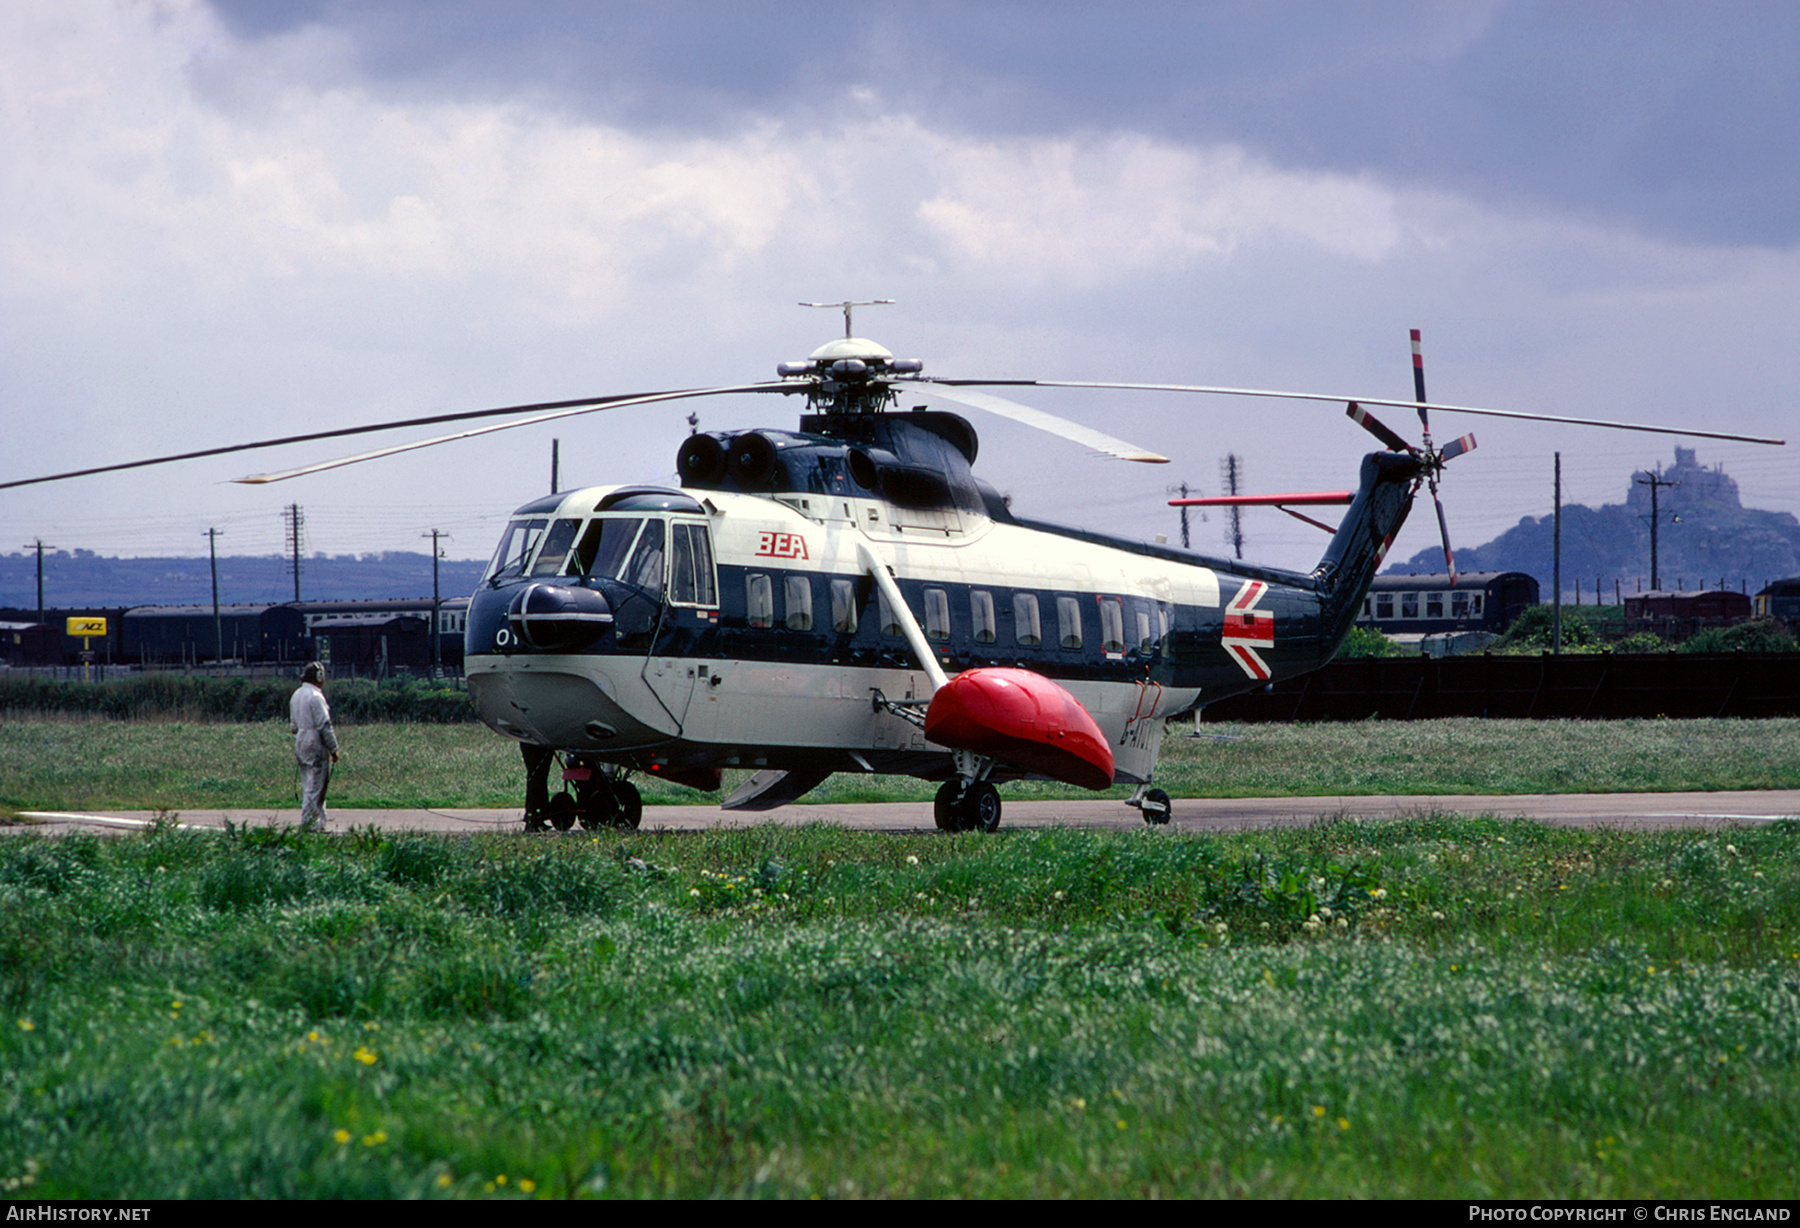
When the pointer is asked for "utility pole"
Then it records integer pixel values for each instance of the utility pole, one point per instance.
(437, 635)
(212, 550)
(1184, 490)
(1556, 568)
(1655, 482)
(1231, 470)
(40, 548)
(296, 521)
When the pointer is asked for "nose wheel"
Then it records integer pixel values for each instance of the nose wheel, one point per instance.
(603, 801)
(967, 805)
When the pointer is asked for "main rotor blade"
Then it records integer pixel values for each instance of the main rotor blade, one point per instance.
(258, 479)
(431, 420)
(1086, 436)
(1319, 396)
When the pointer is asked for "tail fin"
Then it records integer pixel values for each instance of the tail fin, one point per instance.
(1383, 498)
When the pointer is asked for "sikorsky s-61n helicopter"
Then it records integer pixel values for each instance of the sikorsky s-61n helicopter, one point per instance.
(850, 597)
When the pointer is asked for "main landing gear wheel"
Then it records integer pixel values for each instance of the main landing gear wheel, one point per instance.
(1155, 807)
(561, 811)
(630, 805)
(963, 805)
(611, 803)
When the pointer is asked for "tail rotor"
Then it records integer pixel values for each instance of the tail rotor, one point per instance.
(1431, 459)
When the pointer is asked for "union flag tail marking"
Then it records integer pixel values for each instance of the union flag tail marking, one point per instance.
(1248, 628)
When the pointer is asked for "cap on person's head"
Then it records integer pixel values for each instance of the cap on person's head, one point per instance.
(314, 672)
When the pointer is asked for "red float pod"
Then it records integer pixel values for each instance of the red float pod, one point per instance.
(1023, 719)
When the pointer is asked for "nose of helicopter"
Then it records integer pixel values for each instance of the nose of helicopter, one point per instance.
(571, 703)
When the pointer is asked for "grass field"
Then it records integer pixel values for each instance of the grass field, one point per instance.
(1434, 1007)
(97, 764)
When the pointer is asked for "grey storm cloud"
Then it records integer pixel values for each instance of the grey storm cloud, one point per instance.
(1678, 118)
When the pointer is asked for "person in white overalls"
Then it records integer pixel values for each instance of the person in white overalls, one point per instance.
(315, 745)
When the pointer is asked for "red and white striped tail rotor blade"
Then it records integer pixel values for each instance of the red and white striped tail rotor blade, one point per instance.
(1418, 356)
(1370, 423)
(1456, 447)
(1444, 531)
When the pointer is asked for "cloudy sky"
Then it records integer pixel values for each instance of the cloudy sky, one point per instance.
(232, 220)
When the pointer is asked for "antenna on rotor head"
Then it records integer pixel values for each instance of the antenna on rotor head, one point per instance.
(849, 306)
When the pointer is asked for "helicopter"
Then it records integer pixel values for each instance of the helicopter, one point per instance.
(849, 597)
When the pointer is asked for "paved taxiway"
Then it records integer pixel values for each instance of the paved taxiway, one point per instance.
(1639, 811)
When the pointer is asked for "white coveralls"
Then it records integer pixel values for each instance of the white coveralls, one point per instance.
(309, 716)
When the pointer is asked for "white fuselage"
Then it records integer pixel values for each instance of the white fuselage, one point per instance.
(774, 681)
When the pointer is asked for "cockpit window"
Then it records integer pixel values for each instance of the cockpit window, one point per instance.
(516, 545)
(555, 550)
(605, 546)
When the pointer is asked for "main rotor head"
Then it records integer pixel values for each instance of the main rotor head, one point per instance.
(848, 376)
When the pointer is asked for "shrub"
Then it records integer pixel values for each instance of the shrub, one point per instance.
(1757, 635)
(1366, 642)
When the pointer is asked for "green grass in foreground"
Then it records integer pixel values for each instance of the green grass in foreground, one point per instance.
(113, 765)
(1424, 1008)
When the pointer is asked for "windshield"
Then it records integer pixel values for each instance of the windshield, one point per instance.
(556, 549)
(516, 545)
(605, 546)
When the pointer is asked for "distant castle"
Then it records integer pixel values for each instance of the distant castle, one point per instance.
(1689, 484)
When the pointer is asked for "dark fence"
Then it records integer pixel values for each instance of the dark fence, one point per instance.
(1591, 687)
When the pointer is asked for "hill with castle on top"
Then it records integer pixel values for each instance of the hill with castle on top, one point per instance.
(1707, 539)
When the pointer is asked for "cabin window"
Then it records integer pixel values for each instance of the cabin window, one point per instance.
(1384, 605)
(1027, 630)
(1068, 622)
(981, 615)
(759, 600)
(516, 545)
(691, 576)
(1434, 605)
(1112, 624)
(1409, 605)
(1145, 643)
(799, 603)
(555, 551)
(890, 622)
(1475, 604)
(1459, 605)
(937, 614)
(843, 607)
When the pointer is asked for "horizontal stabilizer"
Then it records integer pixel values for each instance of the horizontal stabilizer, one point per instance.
(1303, 499)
